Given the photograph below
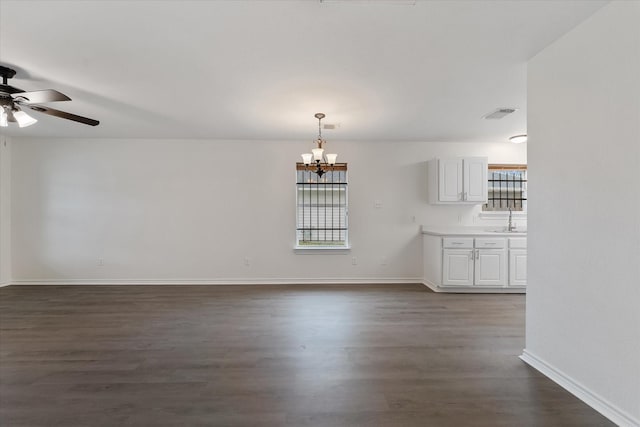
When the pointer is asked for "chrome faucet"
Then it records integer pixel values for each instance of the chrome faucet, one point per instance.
(511, 226)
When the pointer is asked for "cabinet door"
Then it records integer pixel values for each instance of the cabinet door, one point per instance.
(449, 180)
(490, 267)
(457, 267)
(517, 267)
(475, 179)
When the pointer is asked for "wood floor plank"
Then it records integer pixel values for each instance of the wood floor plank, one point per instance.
(290, 355)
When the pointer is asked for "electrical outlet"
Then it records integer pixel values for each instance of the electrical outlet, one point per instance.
(354, 261)
(377, 204)
(100, 262)
(413, 219)
(247, 261)
(383, 260)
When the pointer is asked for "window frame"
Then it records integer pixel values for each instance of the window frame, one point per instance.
(500, 213)
(332, 248)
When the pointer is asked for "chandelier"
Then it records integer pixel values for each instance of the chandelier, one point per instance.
(317, 154)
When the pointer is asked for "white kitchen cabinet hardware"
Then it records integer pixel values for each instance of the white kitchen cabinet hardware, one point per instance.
(458, 180)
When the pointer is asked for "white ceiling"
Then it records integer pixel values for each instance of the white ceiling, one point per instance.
(261, 69)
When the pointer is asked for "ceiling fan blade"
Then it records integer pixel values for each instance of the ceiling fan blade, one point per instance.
(10, 117)
(39, 96)
(64, 115)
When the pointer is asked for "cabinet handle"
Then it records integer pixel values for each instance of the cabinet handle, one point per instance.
(465, 196)
(477, 253)
(456, 243)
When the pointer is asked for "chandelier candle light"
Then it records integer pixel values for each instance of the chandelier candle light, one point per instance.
(317, 154)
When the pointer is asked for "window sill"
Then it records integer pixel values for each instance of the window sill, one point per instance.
(501, 215)
(333, 250)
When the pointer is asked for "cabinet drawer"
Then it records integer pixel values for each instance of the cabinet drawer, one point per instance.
(457, 243)
(490, 243)
(518, 243)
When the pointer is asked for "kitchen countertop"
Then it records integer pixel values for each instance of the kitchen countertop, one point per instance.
(497, 231)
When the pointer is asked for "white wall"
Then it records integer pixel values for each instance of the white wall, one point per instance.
(193, 210)
(5, 210)
(583, 298)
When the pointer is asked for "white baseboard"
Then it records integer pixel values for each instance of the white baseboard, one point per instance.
(592, 399)
(3, 284)
(430, 285)
(235, 281)
(473, 290)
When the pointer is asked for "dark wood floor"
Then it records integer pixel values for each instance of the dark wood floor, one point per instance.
(379, 355)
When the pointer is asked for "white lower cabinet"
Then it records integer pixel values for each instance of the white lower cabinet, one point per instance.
(490, 268)
(473, 262)
(517, 267)
(457, 267)
(480, 264)
(474, 267)
(518, 262)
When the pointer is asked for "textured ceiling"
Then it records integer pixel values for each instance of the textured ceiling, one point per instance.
(261, 69)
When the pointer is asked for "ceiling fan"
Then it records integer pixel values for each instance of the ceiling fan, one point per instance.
(12, 99)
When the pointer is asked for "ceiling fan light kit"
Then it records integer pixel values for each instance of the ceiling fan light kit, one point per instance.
(12, 98)
(23, 119)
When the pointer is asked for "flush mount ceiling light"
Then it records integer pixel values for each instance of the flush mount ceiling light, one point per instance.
(317, 154)
(518, 139)
(12, 98)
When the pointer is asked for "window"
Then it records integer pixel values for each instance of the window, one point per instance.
(507, 188)
(321, 204)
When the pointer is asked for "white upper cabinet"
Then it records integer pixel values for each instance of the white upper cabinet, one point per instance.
(450, 180)
(458, 180)
(475, 179)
